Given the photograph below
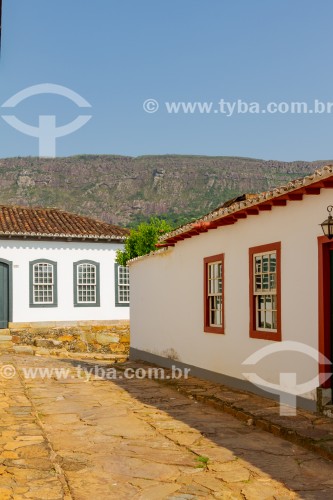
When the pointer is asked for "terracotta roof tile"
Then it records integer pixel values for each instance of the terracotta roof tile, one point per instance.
(247, 201)
(54, 223)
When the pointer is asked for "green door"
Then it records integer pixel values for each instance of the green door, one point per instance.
(4, 295)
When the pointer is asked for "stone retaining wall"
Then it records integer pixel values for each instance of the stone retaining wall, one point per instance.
(104, 340)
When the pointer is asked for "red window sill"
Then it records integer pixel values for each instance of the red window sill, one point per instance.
(276, 336)
(212, 329)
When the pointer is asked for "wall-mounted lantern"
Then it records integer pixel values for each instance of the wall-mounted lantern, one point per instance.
(327, 225)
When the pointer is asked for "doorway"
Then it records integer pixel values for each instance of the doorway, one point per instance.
(325, 282)
(5, 293)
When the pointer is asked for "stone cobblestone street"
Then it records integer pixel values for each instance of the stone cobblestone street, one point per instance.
(69, 438)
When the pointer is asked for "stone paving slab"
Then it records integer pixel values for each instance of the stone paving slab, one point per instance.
(310, 430)
(65, 435)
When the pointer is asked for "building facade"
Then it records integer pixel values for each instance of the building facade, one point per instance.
(59, 267)
(253, 275)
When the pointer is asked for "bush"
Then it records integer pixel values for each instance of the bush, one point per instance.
(142, 240)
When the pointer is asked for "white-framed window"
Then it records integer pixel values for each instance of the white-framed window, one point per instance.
(122, 285)
(213, 290)
(215, 293)
(43, 283)
(265, 290)
(86, 283)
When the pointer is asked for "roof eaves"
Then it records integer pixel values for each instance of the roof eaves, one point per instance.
(295, 185)
(62, 235)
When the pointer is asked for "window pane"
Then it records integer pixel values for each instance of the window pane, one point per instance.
(42, 283)
(214, 273)
(272, 263)
(265, 281)
(266, 314)
(265, 260)
(261, 302)
(268, 320)
(86, 283)
(123, 284)
(261, 319)
(268, 302)
(218, 320)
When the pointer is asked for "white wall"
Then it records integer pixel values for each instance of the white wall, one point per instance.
(20, 253)
(167, 293)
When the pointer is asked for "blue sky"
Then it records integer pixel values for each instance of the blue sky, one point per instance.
(116, 54)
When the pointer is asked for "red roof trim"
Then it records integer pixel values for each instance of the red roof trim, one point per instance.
(228, 219)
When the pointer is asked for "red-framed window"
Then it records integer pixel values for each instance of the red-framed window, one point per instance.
(265, 291)
(214, 294)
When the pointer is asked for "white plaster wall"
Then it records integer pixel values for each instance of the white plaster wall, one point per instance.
(20, 253)
(167, 293)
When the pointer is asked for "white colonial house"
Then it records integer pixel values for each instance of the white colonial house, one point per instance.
(255, 273)
(59, 267)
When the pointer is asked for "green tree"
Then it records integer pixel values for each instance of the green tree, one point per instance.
(142, 240)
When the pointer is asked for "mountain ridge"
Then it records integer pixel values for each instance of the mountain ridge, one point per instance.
(125, 190)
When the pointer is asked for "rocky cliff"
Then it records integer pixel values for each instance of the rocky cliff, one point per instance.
(125, 190)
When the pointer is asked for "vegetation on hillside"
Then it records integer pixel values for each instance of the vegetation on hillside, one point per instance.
(127, 191)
